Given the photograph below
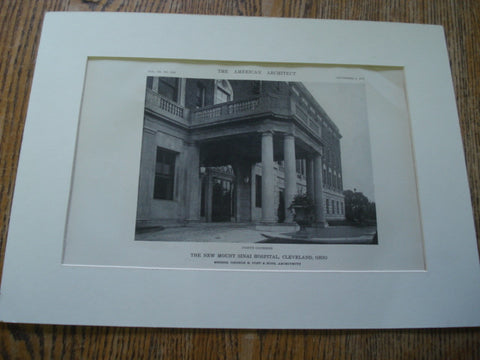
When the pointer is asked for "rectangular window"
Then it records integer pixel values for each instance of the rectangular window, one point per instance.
(168, 87)
(164, 174)
(299, 167)
(150, 82)
(327, 207)
(258, 191)
(256, 87)
(200, 96)
(202, 200)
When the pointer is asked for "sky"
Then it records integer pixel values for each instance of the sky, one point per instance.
(345, 104)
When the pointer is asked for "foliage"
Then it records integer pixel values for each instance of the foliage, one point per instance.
(303, 208)
(302, 200)
(358, 208)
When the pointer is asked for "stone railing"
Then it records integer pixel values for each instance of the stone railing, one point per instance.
(154, 99)
(277, 105)
(216, 112)
(307, 118)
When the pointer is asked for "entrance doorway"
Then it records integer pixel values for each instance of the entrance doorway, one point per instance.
(222, 200)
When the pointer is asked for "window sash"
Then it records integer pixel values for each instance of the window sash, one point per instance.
(164, 175)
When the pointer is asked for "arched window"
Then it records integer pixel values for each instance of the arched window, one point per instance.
(223, 92)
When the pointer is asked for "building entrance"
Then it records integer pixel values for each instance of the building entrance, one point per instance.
(222, 200)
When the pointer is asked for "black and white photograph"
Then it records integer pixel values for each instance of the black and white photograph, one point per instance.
(256, 161)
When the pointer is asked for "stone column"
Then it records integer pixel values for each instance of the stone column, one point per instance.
(181, 92)
(238, 182)
(268, 179)
(208, 197)
(193, 186)
(242, 192)
(290, 174)
(155, 84)
(318, 190)
(310, 178)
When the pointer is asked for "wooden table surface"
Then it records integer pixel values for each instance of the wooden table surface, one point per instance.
(19, 36)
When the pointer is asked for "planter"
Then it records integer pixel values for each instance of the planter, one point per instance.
(303, 216)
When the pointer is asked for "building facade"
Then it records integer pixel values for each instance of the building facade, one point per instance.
(235, 150)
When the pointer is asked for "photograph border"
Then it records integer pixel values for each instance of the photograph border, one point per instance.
(50, 292)
(107, 165)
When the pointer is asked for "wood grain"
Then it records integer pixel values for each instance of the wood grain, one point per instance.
(19, 36)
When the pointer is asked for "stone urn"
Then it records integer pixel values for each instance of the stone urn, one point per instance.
(303, 209)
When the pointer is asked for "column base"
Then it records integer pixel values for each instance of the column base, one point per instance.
(268, 222)
(194, 221)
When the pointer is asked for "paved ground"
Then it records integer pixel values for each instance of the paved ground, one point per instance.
(330, 235)
(246, 233)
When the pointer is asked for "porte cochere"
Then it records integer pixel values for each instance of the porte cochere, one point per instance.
(235, 151)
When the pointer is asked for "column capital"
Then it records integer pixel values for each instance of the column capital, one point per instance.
(314, 155)
(267, 133)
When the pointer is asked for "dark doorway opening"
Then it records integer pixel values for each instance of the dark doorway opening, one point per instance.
(281, 207)
(222, 200)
